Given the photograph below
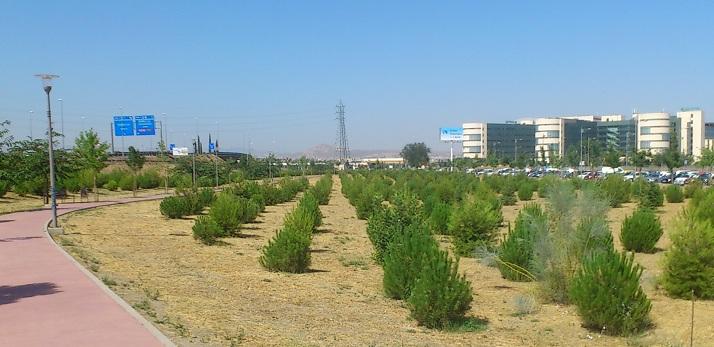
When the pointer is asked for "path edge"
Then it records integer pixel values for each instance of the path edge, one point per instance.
(114, 296)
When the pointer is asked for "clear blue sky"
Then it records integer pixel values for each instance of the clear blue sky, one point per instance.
(271, 72)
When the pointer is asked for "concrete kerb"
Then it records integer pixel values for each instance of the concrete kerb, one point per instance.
(132, 312)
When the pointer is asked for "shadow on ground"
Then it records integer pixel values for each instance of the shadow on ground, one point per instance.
(11, 294)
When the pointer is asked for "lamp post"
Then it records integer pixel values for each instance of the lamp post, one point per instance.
(47, 83)
(61, 101)
(31, 112)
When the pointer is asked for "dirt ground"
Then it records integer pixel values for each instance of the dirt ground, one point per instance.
(220, 295)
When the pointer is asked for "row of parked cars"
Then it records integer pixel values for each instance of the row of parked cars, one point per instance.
(680, 177)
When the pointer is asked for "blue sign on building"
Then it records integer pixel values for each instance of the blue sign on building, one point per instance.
(171, 147)
(211, 147)
(145, 125)
(123, 126)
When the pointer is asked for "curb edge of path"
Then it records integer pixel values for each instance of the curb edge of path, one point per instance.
(114, 296)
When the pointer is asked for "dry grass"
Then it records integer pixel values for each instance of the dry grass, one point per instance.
(220, 295)
(12, 202)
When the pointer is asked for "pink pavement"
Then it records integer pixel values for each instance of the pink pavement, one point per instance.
(47, 300)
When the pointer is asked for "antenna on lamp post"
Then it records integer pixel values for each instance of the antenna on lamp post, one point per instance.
(47, 86)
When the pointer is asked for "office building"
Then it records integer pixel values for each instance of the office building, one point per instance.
(502, 140)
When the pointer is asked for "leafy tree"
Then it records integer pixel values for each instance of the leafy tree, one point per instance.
(6, 141)
(611, 158)
(91, 154)
(672, 158)
(707, 158)
(639, 159)
(30, 172)
(135, 161)
(415, 154)
(572, 157)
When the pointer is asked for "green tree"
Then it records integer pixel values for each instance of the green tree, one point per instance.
(6, 141)
(639, 159)
(91, 154)
(164, 159)
(135, 161)
(672, 158)
(707, 159)
(415, 154)
(572, 157)
(30, 171)
(611, 158)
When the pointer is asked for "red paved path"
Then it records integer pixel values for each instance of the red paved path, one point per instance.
(46, 300)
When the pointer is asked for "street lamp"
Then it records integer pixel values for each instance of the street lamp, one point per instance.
(47, 84)
(61, 101)
(31, 112)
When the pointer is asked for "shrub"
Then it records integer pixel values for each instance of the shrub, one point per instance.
(692, 188)
(206, 196)
(206, 230)
(226, 211)
(288, 251)
(546, 183)
(616, 189)
(440, 296)
(389, 221)
(175, 207)
(439, 218)
(4, 188)
(651, 196)
(525, 192)
(112, 185)
(689, 263)
(250, 210)
(674, 194)
(608, 294)
(405, 259)
(515, 253)
(474, 224)
(641, 231)
(149, 179)
(508, 198)
(322, 189)
(126, 183)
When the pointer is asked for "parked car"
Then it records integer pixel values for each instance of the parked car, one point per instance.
(666, 178)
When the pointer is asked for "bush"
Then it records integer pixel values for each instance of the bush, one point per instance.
(651, 196)
(206, 230)
(226, 211)
(608, 294)
(508, 198)
(473, 225)
(439, 218)
(689, 263)
(175, 207)
(692, 188)
(4, 188)
(674, 194)
(616, 189)
(641, 231)
(149, 179)
(250, 210)
(389, 221)
(440, 296)
(525, 192)
(322, 189)
(112, 185)
(206, 196)
(515, 253)
(126, 183)
(404, 260)
(288, 251)
(546, 183)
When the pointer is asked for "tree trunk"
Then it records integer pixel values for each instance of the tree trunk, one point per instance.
(96, 191)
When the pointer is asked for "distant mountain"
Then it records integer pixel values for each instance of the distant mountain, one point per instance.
(328, 152)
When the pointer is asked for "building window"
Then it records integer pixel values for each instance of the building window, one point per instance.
(645, 130)
(476, 149)
(553, 147)
(472, 137)
(552, 133)
(665, 137)
(645, 144)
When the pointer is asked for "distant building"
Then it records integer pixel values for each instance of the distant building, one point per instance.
(503, 140)
(555, 136)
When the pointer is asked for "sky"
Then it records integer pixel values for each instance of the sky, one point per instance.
(266, 75)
